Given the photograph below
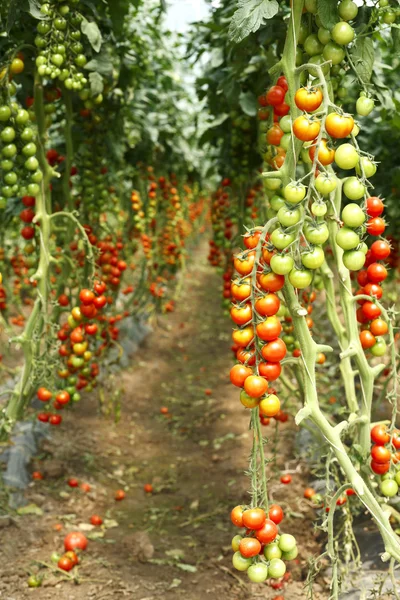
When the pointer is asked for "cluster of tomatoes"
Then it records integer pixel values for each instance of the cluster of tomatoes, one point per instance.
(138, 212)
(277, 139)
(262, 550)
(385, 452)
(19, 168)
(255, 311)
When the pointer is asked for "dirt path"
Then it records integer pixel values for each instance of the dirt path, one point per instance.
(174, 543)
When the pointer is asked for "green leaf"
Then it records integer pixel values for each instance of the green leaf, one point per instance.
(102, 64)
(249, 17)
(96, 83)
(30, 509)
(248, 103)
(93, 34)
(13, 12)
(362, 54)
(327, 12)
(185, 567)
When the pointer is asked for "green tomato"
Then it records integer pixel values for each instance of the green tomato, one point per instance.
(5, 113)
(81, 60)
(22, 117)
(286, 141)
(389, 17)
(353, 215)
(57, 59)
(34, 581)
(318, 209)
(316, 234)
(6, 165)
(311, 6)
(389, 488)
(303, 32)
(354, 260)
(300, 278)
(323, 35)
(368, 166)
(235, 542)
(397, 477)
(10, 178)
(288, 217)
(312, 45)
(7, 135)
(325, 183)
(258, 573)
(60, 23)
(364, 106)
(354, 189)
(240, 562)
(27, 134)
(343, 33)
(286, 124)
(320, 61)
(379, 349)
(287, 542)
(276, 202)
(347, 239)
(294, 192)
(290, 555)
(348, 10)
(9, 151)
(346, 156)
(314, 258)
(31, 164)
(76, 397)
(272, 551)
(282, 264)
(277, 568)
(29, 149)
(280, 239)
(333, 52)
(248, 401)
(37, 176)
(33, 189)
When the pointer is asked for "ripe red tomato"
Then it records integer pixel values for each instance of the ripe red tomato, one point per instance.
(269, 329)
(75, 539)
(148, 488)
(96, 520)
(373, 289)
(268, 532)
(43, 417)
(375, 206)
(282, 82)
(274, 135)
(275, 513)
(371, 310)
(254, 518)
(376, 273)
(380, 468)
(286, 479)
(376, 226)
(274, 351)
(270, 370)
(119, 495)
(271, 282)
(275, 95)
(65, 563)
(249, 547)
(379, 435)
(367, 339)
(55, 419)
(380, 250)
(380, 454)
(44, 395)
(63, 398)
(72, 482)
(238, 374)
(396, 439)
(268, 305)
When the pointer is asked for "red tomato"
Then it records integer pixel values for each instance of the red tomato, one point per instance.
(96, 520)
(75, 539)
(237, 516)
(379, 435)
(275, 513)
(380, 454)
(275, 95)
(268, 532)
(254, 518)
(286, 479)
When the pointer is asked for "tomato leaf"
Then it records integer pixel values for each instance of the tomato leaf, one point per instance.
(248, 103)
(250, 16)
(327, 12)
(102, 64)
(362, 54)
(34, 10)
(96, 83)
(93, 34)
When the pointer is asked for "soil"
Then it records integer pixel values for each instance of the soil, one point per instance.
(174, 542)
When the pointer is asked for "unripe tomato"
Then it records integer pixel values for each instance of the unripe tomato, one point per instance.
(389, 488)
(364, 106)
(325, 183)
(258, 573)
(346, 156)
(343, 33)
(353, 215)
(353, 188)
(270, 405)
(300, 278)
(240, 562)
(294, 192)
(277, 568)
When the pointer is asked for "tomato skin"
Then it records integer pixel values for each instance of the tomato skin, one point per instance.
(376, 273)
(375, 206)
(274, 351)
(251, 239)
(237, 516)
(86, 296)
(275, 513)
(44, 395)
(246, 356)
(339, 126)
(275, 95)
(119, 495)
(380, 468)
(255, 386)
(238, 374)
(74, 540)
(267, 533)
(305, 128)
(96, 520)
(254, 518)
(376, 226)
(267, 305)
(308, 99)
(282, 82)
(271, 371)
(379, 435)
(396, 439)
(373, 289)
(281, 110)
(380, 454)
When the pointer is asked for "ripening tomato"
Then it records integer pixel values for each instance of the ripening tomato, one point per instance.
(269, 329)
(254, 518)
(268, 532)
(309, 493)
(274, 135)
(267, 305)
(367, 339)
(74, 540)
(255, 386)
(380, 250)
(270, 371)
(238, 374)
(270, 406)
(326, 155)
(281, 110)
(251, 239)
(55, 419)
(244, 262)
(379, 435)
(63, 397)
(249, 547)
(275, 95)
(271, 282)
(396, 439)
(241, 314)
(379, 327)
(241, 289)
(375, 206)
(376, 226)
(380, 454)
(376, 273)
(243, 337)
(86, 296)
(274, 351)
(308, 99)
(275, 513)
(339, 126)
(306, 128)
(246, 356)
(237, 516)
